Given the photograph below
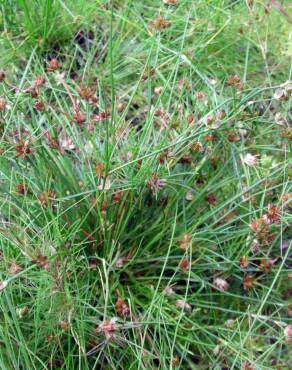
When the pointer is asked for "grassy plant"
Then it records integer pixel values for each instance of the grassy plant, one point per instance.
(145, 176)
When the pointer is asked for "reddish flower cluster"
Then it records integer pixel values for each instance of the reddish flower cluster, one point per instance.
(184, 264)
(122, 308)
(235, 81)
(46, 198)
(23, 148)
(185, 242)
(53, 65)
(108, 328)
(155, 184)
(86, 93)
(248, 282)
(118, 197)
(159, 23)
(21, 189)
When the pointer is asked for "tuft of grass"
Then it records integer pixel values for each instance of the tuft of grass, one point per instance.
(145, 173)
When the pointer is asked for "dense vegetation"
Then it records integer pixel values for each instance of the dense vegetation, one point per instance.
(145, 176)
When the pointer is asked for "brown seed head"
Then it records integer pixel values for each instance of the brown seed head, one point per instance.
(184, 264)
(183, 305)
(108, 328)
(53, 65)
(159, 23)
(2, 105)
(2, 76)
(221, 284)
(39, 81)
(79, 117)
(243, 261)
(248, 282)
(122, 308)
(185, 241)
(65, 326)
(39, 105)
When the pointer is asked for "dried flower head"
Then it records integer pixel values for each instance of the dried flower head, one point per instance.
(23, 149)
(211, 138)
(99, 169)
(51, 141)
(66, 143)
(121, 107)
(210, 119)
(121, 262)
(183, 305)
(170, 2)
(155, 184)
(229, 323)
(185, 241)
(14, 268)
(184, 264)
(211, 199)
(122, 308)
(255, 246)
(39, 81)
(46, 198)
(287, 199)
(243, 262)
(190, 195)
(2, 105)
(78, 116)
(288, 334)
(235, 81)
(65, 326)
(281, 94)
(22, 312)
(200, 96)
(181, 84)
(257, 225)
(33, 92)
(249, 159)
(266, 264)
(281, 119)
(159, 23)
(197, 147)
(85, 92)
(158, 90)
(248, 282)
(149, 73)
(53, 65)
(246, 365)
(233, 137)
(104, 208)
(118, 197)
(191, 118)
(42, 261)
(169, 290)
(3, 285)
(221, 114)
(287, 134)
(273, 214)
(105, 184)
(39, 105)
(21, 189)
(176, 360)
(221, 284)
(214, 160)
(108, 328)
(2, 76)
